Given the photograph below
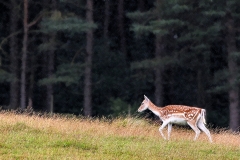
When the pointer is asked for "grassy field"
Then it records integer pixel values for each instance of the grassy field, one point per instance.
(58, 137)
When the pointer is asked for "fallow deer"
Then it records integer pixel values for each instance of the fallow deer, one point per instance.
(178, 114)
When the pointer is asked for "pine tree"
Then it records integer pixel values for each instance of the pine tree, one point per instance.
(70, 23)
(233, 53)
(191, 31)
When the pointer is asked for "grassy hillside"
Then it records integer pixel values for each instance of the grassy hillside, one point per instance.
(36, 137)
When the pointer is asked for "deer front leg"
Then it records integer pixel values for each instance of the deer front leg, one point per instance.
(161, 128)
(169, 130)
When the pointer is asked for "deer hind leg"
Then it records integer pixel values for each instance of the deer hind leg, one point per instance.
(204, 129)
(195, 128)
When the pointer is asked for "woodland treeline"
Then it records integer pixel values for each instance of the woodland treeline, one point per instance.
(99, 57)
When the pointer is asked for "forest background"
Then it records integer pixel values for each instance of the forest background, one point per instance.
(99, 57)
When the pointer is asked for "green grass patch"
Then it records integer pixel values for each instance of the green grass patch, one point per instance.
(73, 144)
(24, 137)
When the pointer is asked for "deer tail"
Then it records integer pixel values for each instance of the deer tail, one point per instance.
(203, 116)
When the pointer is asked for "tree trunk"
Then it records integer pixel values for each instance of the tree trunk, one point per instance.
(31, 81)
(14, 85)
(24, 55)
(158, 72)
(50, 67)
(106, 20)
(200, 91)
(232, 67)
(159, 49)
(87, 107)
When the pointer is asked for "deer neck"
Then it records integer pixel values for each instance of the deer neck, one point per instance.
(152, 107)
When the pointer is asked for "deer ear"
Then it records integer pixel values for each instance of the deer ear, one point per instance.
(145, 97)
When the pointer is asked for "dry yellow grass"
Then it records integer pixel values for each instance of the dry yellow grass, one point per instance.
(127, 138)
(119, 126)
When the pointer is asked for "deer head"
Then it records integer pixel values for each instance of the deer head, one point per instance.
(144, 104)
